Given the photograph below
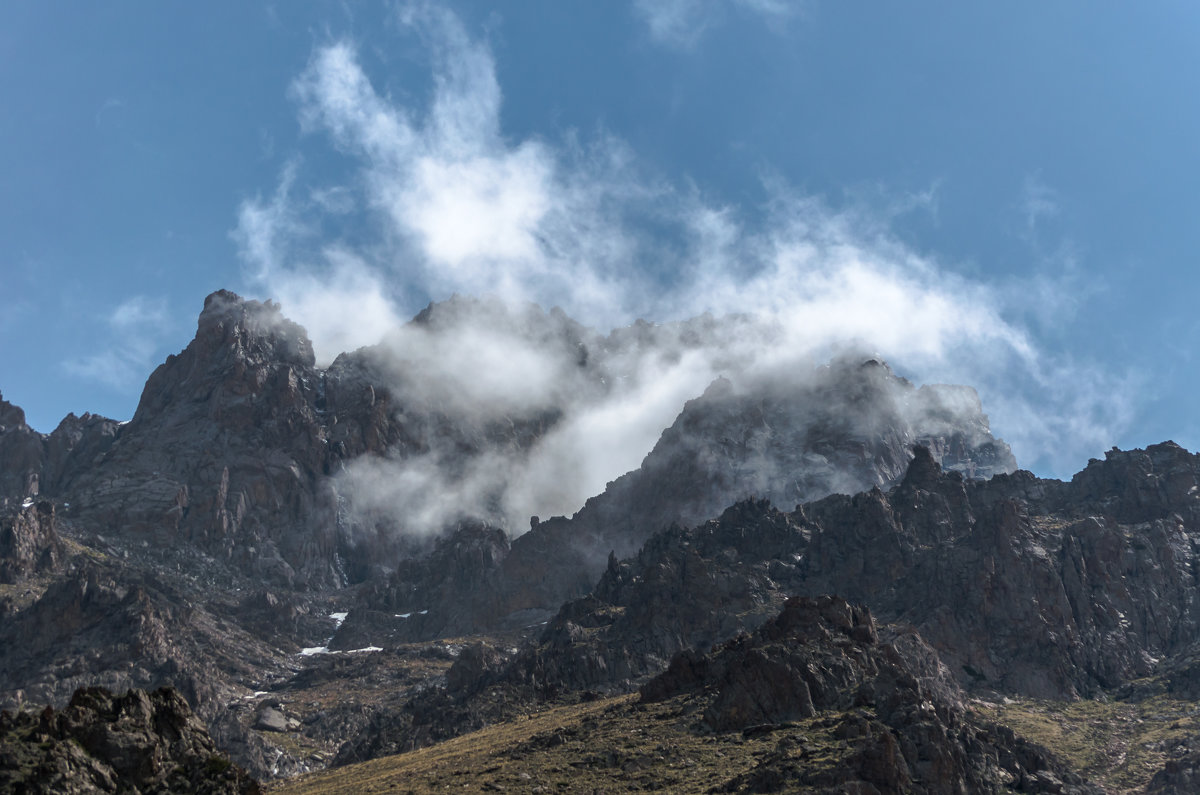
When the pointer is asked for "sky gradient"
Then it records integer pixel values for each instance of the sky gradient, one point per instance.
(999, 196)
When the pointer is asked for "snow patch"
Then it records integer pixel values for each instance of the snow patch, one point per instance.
(338, 619)
(313, 650)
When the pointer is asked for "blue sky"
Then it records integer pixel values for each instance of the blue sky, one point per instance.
(1003, 196)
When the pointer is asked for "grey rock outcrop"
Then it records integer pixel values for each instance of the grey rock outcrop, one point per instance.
(1024, 586)
(29, 542)
(849, 427)
(22, 451)
(1180, 775)
(138, 742)
(125, 630)
(225, 450)
(33, 463)
(889, 699)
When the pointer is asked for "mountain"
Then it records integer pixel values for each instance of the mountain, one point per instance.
(240, 444)
(333, 563)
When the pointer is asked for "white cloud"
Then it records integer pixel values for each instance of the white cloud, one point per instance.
(135, 327)
(266, 228)
(683, 24)
(460, 207)
(677, 23)
(771, 9)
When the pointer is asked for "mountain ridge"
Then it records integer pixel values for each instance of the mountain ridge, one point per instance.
(324, 561)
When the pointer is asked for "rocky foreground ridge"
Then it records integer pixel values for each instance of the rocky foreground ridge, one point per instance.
(219, 543)
(889, 698)
(139, 742)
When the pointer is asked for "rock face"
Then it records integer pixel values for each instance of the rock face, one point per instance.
(685, 589)
(21, 450)
(124, 631)
(890, 700)
(1030, 586)
(849, 428)
(225, 450)
(138, 742)
(29, 543)
(1023, 585)
(244, 449)
(1178, 776)
(32, 463)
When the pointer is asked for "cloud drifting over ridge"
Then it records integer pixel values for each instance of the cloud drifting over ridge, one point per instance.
(585, 226)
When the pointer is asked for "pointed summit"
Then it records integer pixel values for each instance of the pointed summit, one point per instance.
(923, 471)
(230, 319)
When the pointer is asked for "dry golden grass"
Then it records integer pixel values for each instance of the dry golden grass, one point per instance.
(620, 745)
(612, 745)
(1119, 744)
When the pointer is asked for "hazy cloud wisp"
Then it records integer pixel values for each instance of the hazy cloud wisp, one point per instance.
(134, 327)
(585, 226)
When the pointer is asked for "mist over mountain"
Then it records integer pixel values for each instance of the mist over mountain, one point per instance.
(303, 551)
(482, 411)
(660, 395)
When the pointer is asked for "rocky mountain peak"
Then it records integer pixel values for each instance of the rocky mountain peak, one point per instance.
(253, 327)
(11, 417)
(923, 471)
(1134, 485)
(244, 353)
(242, 446)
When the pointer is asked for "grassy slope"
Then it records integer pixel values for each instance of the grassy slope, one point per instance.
(619, 744)
(610, 745)
(1119, 744)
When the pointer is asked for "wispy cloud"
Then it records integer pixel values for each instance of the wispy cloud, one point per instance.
(683, 24)
(677, 23)
(108, 111)
(583, 224)
(134, 328)
(1038, 202)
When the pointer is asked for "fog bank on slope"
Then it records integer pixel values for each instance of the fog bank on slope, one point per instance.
(534, 413)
